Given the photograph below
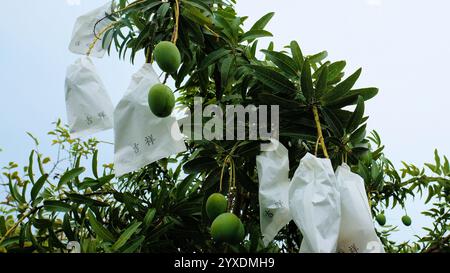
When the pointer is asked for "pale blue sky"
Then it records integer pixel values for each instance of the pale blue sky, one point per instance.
(402, 45)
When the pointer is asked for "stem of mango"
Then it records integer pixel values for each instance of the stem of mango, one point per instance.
(177, 22)
(319, 131)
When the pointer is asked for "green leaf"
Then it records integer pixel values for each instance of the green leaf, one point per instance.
(30, 167)
(352, 97)
(56, 206)
(195, 15)
(183, 186)
(134, 245)
(263, 21)
(254, 34)
(322, 82)
(70, 175)
(430, 194)
(317, 58)
(126, 235)
(284, 62)
(13, 190)
(67, 228)
(333, 122)
(10, 241)
(42, 223)
(81, 199)
(199, 165)
(306, 82)
(38, 186)
(335, 70)
(446, 167)
(149, 216)
(98, 228)
(341, 89)
(3, 228)
(358, 135)
(199, 4)
(437, 159)
(40, 165)
(297, 54)
(22, 234)
(36, 141)
(228, 30)
(33, 240)
(94, 163)
(213, 57)
(357, 116)
(95, 184)
(273, 79)
(225, 71)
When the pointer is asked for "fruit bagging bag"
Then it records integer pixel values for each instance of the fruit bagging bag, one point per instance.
(89, 107)
(273, 174)
(83, 35)
(314, 202)
(357, 232)
(141, 138)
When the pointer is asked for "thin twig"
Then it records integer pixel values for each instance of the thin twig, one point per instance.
(319, 131)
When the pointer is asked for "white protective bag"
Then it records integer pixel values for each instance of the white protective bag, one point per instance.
(357, 233)
(89, 107)
(273, 174)
(141, 138)
(83, 32)
(314, 203)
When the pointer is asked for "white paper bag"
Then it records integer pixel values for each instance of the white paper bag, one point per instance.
(273, 174)
(141, 138)
(357, 233)
(314, 203)
(83, 31)
(89, 107)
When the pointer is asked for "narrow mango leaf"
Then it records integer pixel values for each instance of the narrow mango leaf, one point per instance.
(335, 69)
(352, 97)
(33, 240)
(273, 79)
(254, 34)
(98, 228)
(297, 54)
(195, 16)
(134, 245)
(94, 164)
(357, 116)
(341, 89)
(126, 235)
(284, 62)
(358, 135)
(56, 206)
(322, 82)
(149, 216)
(213, 57)
(40, 165)
(199, 164)
(317, 58)
(30, 167)
(67, 228)
(3, 228)
(81, 199)
(13, 190)
(225, 71)
(70, 175)
(333, 122)
(38, 186)
(306, 82)
(263, 21)
(199, 4)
